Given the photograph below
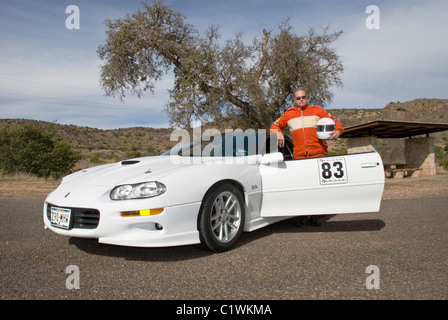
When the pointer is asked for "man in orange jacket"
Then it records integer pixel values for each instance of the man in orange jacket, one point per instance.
(302, 121)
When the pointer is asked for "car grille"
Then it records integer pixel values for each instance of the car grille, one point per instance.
(81, 218)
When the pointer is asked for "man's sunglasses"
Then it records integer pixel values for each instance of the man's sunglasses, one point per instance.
(300, 98)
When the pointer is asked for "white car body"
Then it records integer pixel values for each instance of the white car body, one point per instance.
(271, 189)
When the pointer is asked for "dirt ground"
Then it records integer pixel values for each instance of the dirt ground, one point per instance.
(19, 185)
(396, 188)
(405, 188)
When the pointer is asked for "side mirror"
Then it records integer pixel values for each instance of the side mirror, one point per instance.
(272, 158)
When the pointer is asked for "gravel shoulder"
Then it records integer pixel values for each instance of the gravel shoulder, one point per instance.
(406, 188)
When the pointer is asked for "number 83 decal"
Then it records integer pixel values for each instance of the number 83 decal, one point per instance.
(332, 171)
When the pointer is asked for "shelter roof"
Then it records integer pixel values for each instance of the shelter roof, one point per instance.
(384, 129)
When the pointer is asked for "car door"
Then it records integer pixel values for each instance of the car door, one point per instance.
(329, 185)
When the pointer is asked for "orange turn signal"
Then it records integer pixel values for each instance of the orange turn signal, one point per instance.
(141, 213)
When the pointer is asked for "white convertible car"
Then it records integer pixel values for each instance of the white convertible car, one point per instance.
(210, 193)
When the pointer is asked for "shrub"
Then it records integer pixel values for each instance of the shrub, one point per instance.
(442, 156)
(33, 150)
(96, 158)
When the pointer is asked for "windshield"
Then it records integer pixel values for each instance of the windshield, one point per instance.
(226, 145)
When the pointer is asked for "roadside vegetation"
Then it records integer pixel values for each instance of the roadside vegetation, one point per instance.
(442, 154)
(36, 151)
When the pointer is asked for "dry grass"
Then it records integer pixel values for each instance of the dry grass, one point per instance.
(20, 185)
(15, 186)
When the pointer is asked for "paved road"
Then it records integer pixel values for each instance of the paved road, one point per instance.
(406, 242)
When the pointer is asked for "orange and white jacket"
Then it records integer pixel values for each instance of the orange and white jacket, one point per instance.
(302, 123)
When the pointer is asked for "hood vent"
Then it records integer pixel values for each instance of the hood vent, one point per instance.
(126, 162)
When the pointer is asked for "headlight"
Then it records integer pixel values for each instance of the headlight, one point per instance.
(137, 191)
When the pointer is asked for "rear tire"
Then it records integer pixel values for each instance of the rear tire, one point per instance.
(221, 218)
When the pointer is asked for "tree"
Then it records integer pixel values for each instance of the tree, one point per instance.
(253, 83)
(32, 150)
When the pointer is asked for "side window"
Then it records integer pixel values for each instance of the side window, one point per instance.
(286, 150)
(266, 146)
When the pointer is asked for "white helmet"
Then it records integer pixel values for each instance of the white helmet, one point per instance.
(325, 127)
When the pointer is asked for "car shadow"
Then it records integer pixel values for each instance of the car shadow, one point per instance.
(166, 254)
(341, 226)
(289, 226)
(189, 252)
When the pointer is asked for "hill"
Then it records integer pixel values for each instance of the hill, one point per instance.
(102, 146)
(419, 110)
(99, 146)
(424, 110)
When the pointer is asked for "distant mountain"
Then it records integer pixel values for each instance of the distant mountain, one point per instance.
(424, 110)
(101, 146)
(419, 110)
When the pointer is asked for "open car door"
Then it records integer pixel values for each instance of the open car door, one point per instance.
(329, 185)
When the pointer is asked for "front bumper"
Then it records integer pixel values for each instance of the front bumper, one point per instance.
(175, 226)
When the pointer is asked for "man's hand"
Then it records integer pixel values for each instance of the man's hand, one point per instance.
(335, 134)
(280, 138)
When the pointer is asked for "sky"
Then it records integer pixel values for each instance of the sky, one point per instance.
(50, 71)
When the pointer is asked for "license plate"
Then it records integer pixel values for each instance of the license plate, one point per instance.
(60, 217)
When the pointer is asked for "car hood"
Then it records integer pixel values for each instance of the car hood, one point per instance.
(126, 172)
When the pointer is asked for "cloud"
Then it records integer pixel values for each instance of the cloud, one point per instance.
(405, 59)
(48, 72)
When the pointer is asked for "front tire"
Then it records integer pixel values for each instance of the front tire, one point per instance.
(221, 218)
